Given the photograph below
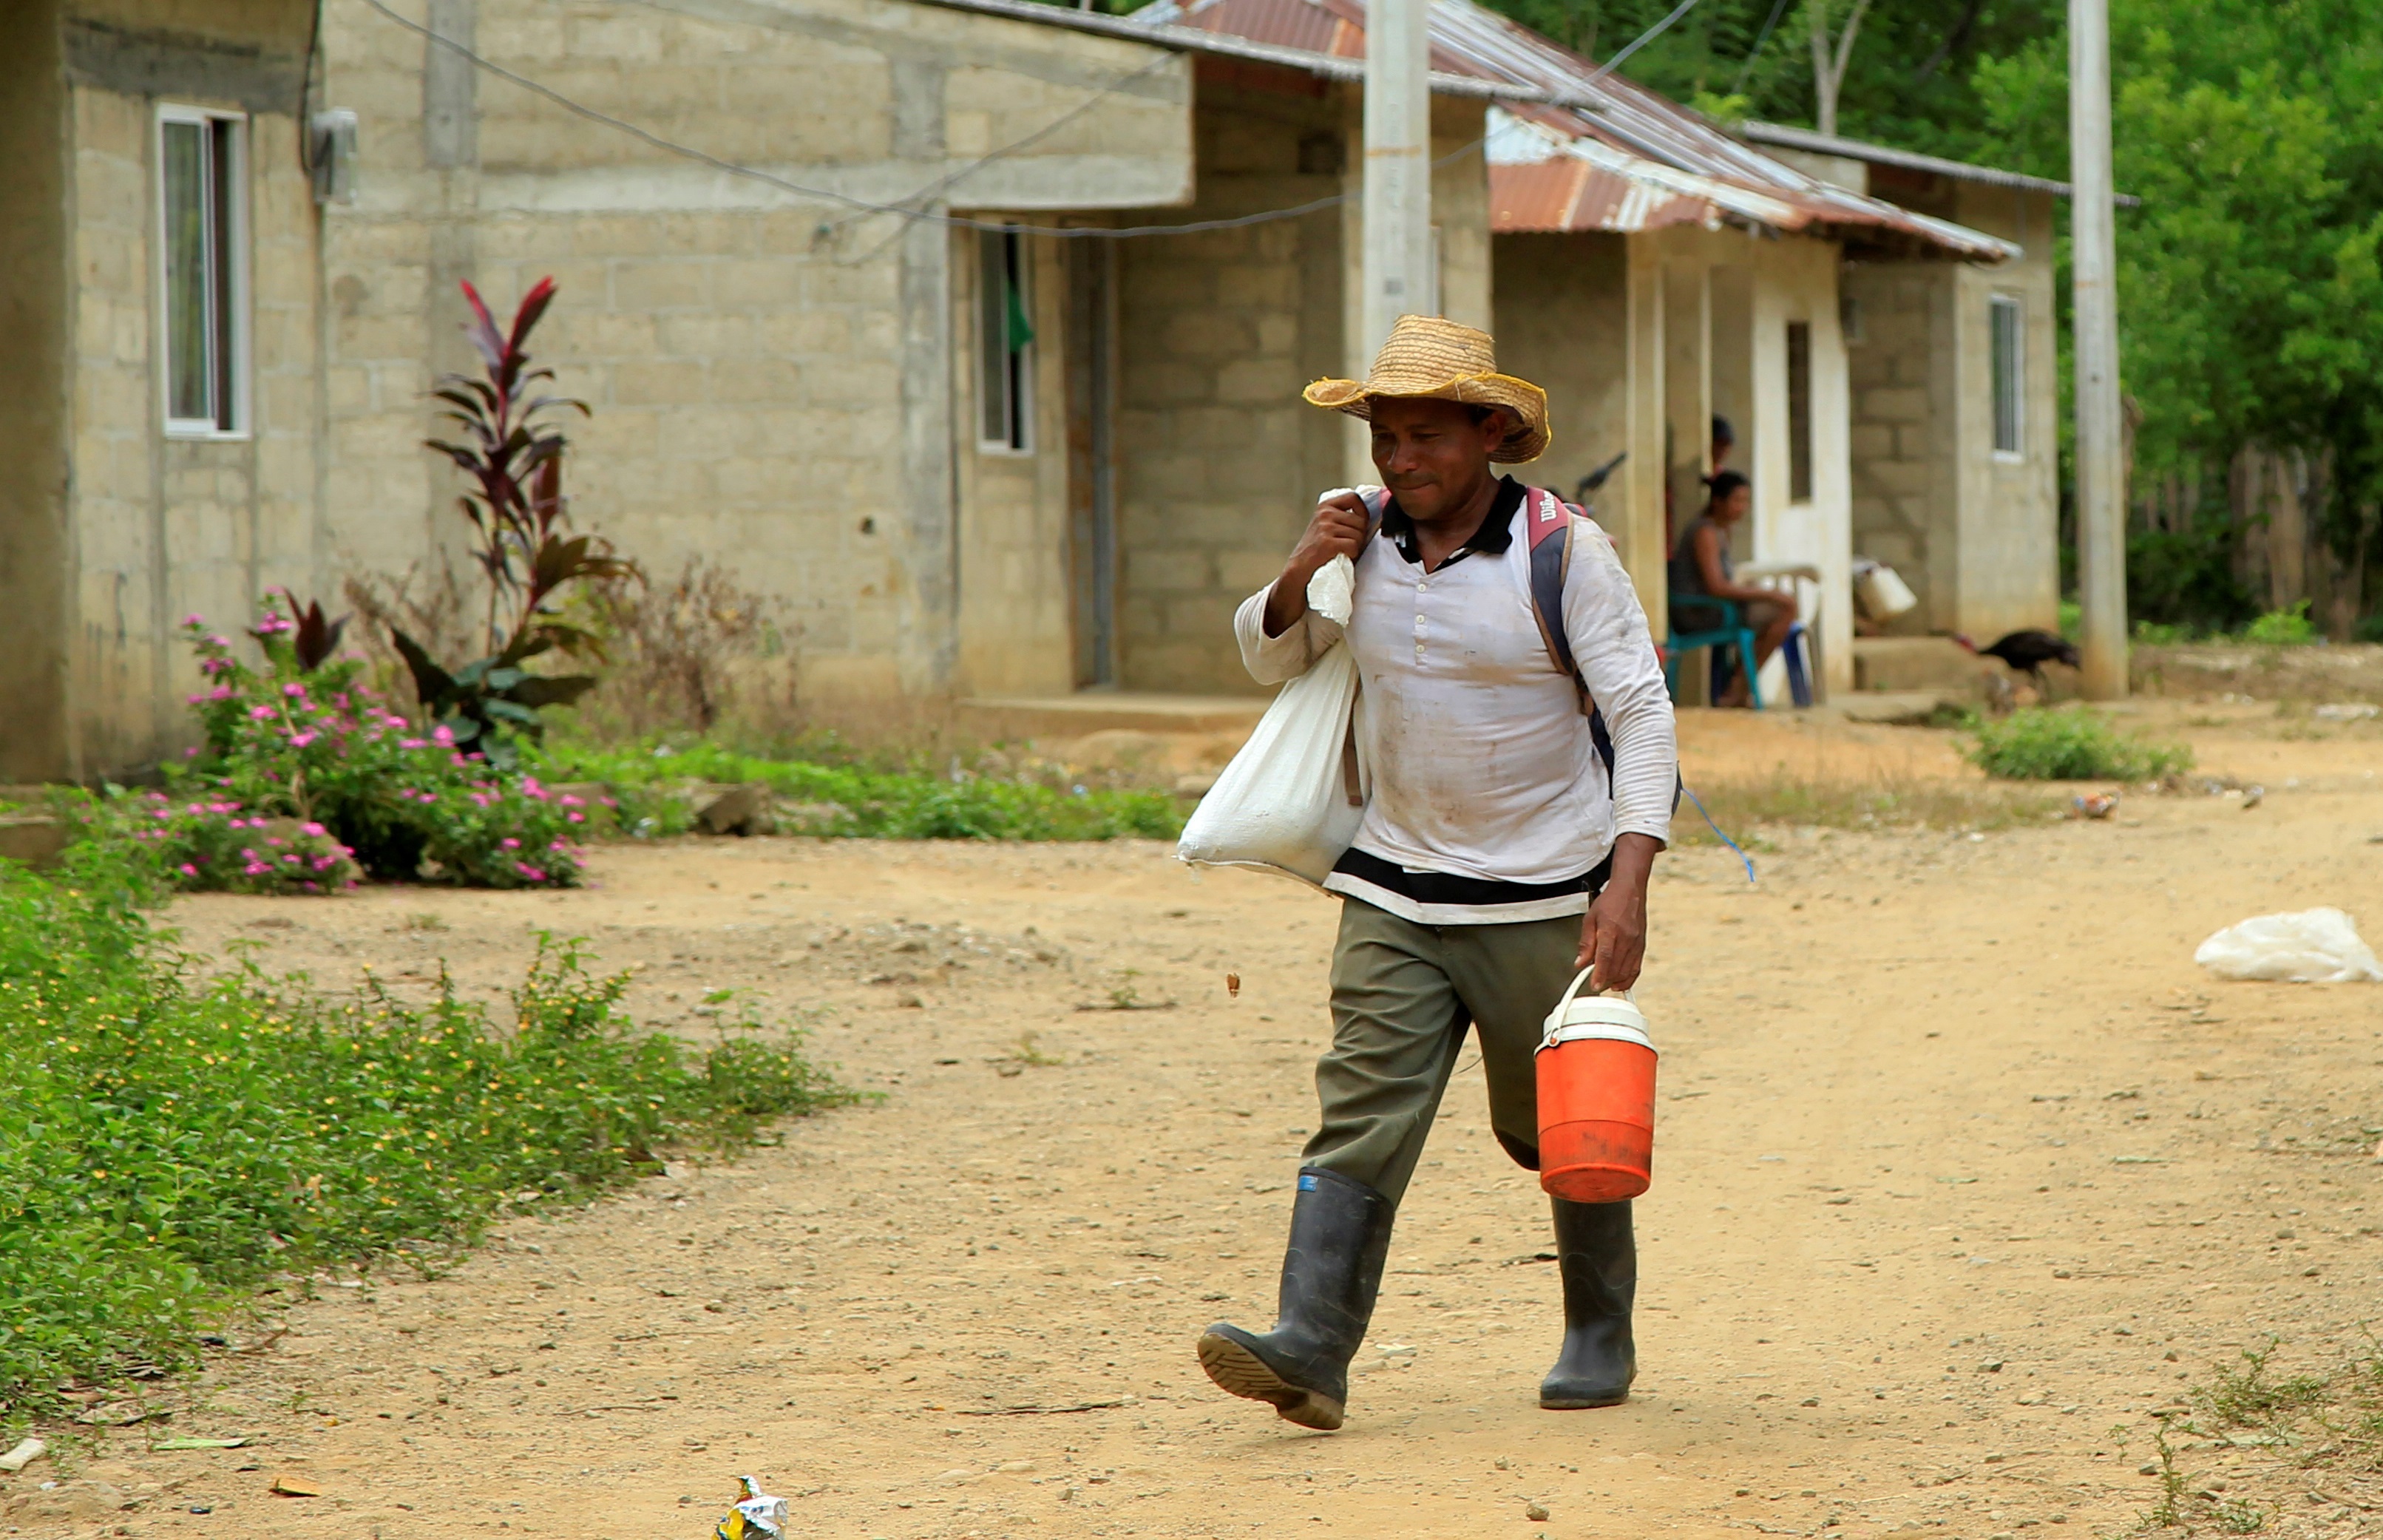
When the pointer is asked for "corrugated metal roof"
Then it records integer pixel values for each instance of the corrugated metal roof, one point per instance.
(1788, 137)
(1615, 114)
(1343, 61)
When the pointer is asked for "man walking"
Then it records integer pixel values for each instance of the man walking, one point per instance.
(1500, 851)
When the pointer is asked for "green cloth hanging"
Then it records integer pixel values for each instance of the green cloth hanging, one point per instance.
(1021, 330)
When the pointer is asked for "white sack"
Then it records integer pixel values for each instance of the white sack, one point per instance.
(1283, 803)
(2315, 946)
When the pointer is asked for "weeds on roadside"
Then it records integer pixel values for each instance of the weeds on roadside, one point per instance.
(855, 800)
(168, 1142)
(1857, 804)
(2315, 1419)
(2035, 744)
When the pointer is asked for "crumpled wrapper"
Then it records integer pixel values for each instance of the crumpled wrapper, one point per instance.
(758, 1517)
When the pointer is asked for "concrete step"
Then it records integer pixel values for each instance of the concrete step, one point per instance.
(1009, 718)
(1914, 663)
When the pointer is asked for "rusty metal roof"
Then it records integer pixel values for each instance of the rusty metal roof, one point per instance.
(1621, 133)
(1788, 137)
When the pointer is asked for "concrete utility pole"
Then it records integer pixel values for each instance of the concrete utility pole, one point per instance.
(1398, 276)
(2101, 473)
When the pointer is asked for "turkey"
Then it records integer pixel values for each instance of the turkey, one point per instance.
(2026, 652)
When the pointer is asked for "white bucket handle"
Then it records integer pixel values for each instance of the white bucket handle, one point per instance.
(1629, 994)
(1558, 1029)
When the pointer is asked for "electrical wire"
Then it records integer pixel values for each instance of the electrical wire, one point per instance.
(1778, 10)
(865, 206)
(1642, 39)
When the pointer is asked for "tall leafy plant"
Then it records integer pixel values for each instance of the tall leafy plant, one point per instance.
(513, 455)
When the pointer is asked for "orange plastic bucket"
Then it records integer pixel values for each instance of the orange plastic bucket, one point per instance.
(1596, 1069)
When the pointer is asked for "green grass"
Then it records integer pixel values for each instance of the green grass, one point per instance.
(2035, 744)
(168, 1144)
(862, 801)
(1913, 802)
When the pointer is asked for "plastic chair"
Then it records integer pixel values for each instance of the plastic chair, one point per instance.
(1731, 631)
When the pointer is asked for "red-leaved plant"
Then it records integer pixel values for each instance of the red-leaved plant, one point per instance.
(523, 544)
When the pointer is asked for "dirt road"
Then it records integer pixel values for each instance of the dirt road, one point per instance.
(1962, 1165)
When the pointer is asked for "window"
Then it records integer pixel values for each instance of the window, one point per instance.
(2002, 347)
(1799, 412)
(201, 178)
(1005, 341)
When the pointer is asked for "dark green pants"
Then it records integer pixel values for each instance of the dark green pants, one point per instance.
(1403, 995)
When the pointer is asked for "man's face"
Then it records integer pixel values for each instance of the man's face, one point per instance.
(1432, 455)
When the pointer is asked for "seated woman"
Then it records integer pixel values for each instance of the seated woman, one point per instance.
(1700, 565)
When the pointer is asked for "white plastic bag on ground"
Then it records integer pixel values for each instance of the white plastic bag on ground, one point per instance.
(2314, 946)
(1283, 803)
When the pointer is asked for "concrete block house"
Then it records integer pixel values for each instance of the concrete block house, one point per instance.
(970, 332)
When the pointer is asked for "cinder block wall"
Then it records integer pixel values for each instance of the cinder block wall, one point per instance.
(1901, 430)
(1218, 460)
(36, 614)
(1974, 532)
(1563, 311)
(774, 379)
(160, 528)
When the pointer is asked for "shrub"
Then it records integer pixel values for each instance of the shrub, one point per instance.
(2035, 744)
(521, 526)
(168, 1143)
(317, 748)
(2289, 628)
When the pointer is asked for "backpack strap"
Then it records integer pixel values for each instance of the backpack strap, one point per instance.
(1549, 531)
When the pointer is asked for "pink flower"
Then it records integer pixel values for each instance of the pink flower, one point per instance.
(571, 801)
(221, 692)
(578, 818)
(316, 830)
(300, 740)
(509, 844)
(255, 869)
(189, 871)
(260, 713)
(443, 735)
(529, 871)
(196, 623)
(218, 641)
(529, 784)
(411, 743)
(294, 691)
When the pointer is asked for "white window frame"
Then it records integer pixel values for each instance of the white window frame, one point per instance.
(1019, 391)
(1998, 306)
(231, 342)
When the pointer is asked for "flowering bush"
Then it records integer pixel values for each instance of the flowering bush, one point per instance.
(303, 765)
(219, 845)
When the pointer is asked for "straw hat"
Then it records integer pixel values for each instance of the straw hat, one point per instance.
(1431, 359)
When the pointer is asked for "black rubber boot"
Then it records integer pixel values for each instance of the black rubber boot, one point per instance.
(1331, 1272)
(1599, 1259)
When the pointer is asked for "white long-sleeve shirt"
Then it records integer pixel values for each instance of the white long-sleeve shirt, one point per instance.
(1490, 802)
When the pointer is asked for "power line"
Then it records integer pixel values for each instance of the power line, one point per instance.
(864, 206)
(1778, 10)
(1649, 35)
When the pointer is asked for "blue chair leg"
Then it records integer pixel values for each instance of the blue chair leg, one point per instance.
(1799, 682)
(1753, 674)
